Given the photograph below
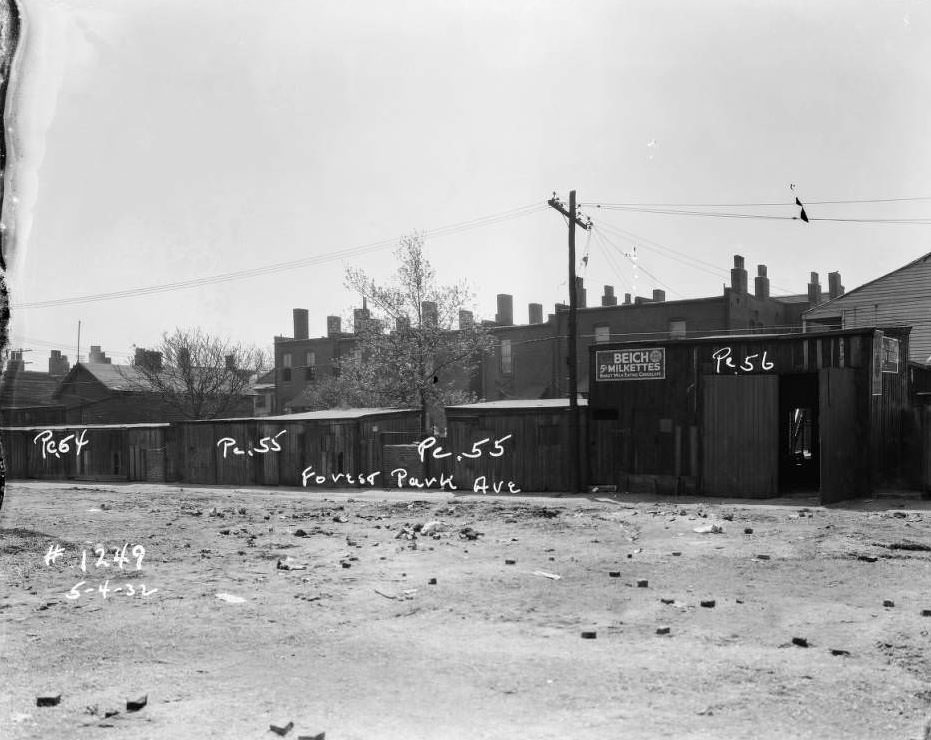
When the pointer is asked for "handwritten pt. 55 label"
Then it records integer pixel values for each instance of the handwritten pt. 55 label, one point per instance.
(57, 448)
(265, 445)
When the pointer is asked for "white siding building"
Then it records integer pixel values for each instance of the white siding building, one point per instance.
(900, 298)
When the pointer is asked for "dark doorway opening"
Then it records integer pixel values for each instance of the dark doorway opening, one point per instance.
(799, 453)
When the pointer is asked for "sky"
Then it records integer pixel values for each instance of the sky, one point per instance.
(161, 145)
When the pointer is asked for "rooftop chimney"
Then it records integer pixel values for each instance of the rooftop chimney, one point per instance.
(659, 295)
(184, 358)
(333, 326)
(58, 364)
(835, 289)
(429, 313)
(148, 359)
(360, 316)
(231, 360)
(466, 319)
(561, 307)
(402, 323)
(609, 299)
(300, 323)
(814, 290)
(580, 293)
(738, 275)
(505, 315)
(97, 356)
(761, 282)
(536, 313)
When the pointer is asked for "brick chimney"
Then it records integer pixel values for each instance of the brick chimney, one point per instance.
(738, 275)
(580, 293)
(609, 299)
(360, 316)
(58, 363)
(659, 295)
(231, 360)
(15, 362)
(333, 326)
(429, 313)
(184, 358)
(466, 319)
(505, 315)
(535, 311)
(402, 323)
(148, 359)
(300, 323)
(761, 282)
(814, 290)
(835, 289)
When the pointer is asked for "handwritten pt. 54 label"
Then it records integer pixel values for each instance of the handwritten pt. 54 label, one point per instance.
(58, 447)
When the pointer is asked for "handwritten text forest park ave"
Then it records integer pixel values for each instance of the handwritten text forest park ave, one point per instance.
(399, 477)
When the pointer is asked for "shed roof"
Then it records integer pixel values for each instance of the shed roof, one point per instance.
(518, 404)
(329, 414)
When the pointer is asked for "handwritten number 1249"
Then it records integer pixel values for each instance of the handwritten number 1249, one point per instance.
(430, 442)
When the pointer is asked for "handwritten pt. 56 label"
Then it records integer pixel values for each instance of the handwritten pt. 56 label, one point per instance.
(58, 447)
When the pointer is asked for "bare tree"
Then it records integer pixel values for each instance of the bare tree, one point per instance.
(198, 375)
(410, 350)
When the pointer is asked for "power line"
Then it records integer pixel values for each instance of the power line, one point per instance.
(442, 231)
(756, 205)
(758, 216)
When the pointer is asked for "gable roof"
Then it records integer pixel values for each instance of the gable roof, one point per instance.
(117, 378)
(826, 307)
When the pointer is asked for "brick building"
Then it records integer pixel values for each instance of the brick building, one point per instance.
(531, 360)
(26, 396)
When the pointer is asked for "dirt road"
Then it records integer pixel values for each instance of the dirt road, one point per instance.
(266, 607)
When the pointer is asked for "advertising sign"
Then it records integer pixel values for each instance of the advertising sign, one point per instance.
(890, 349)
(640, 363)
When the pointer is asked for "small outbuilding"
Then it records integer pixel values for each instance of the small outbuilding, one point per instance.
(753, 415)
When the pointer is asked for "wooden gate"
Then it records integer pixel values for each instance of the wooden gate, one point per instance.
(843, 471)
(740, 438)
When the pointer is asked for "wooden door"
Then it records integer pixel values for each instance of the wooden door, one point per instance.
(740, 439)
(842, 436)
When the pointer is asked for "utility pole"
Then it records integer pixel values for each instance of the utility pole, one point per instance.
(575, 455)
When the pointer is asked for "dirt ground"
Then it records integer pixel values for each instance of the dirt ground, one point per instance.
(266, 607)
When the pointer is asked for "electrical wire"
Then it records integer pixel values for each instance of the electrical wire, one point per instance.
(439, 232)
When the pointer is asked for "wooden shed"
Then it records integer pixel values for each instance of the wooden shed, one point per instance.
(124, 452)
(754, 415)
(275, 450)
(534, 444)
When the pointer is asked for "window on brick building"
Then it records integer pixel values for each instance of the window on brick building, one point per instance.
(677, 329)
(602, 334)
(507, 363)
(286, 374)
(310, 359)
(286, 359)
